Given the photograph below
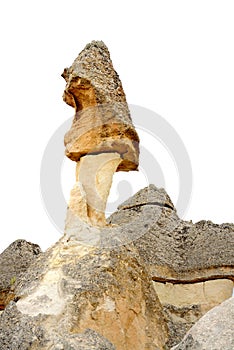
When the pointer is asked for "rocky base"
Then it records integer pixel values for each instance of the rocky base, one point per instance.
(129, 286)
(72, 288)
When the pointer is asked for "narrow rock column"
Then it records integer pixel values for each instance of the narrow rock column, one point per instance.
(94, 175)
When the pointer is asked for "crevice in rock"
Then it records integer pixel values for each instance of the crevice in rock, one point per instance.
(192, 281)
(162, 205)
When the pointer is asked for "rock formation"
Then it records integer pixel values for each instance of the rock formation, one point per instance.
(174, 250)
(213, 331)
(72, 288)
(191, 265)
(14, 262)
(140, 295)
(139, 281)
(102, 138)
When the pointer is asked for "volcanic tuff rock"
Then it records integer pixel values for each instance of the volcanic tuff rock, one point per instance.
(138, 282)
(101, 279)
(102, 122)
(102, 138)
(192, 265)
(18, 331)
(93, 181)
(175, 250)
(184, 304)
(72, 288)
(14, 261)
(214, 331)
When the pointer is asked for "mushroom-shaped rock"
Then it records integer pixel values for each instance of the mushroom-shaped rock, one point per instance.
(102, 122)
(102, 138)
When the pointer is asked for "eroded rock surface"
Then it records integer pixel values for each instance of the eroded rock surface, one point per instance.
(205, 294)
(18, 331)
(175, 250)
(132, 283)
(14, 261)
(184, 304)
(72, 288)
(140, 281)
(214, 331)
(102, 131)
(102, 122)
(93, 182)
(193, 262)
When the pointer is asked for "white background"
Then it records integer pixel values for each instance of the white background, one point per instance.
(173, 57)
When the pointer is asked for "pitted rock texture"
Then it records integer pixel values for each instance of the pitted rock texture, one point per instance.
(101, 279)
(94, 65)
(102, 122)
(179, 321)
(181, 254)
(150, 195)
(18, 331)
(14, 261)
(73, 288)
(175, 250)
(214, 331)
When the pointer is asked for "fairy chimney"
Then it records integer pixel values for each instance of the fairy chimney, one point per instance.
(102, 138)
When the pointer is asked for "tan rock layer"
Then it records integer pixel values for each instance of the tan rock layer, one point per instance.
(93, 182)
(206, 294)
(99, 130)
(185, 303)
(76, 287)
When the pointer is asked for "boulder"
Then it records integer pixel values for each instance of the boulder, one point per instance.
(214, 331)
